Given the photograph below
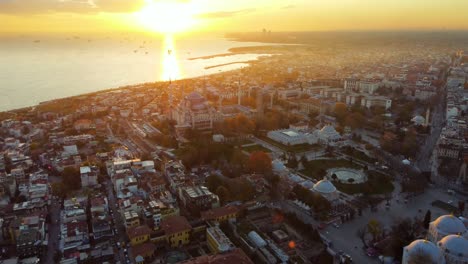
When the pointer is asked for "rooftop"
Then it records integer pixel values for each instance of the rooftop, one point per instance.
(138, 231)
(219, 212)
(175, 224)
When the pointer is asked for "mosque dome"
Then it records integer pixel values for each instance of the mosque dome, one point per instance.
(454, 245)
(324, 186)
(422, 247)
(449, 224)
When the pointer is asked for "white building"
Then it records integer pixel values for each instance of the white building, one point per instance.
(368, 86)
(328, 135)
(370, 101)
(88, 177)
(351, 85)
(288, 137)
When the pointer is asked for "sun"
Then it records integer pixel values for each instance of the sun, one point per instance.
(167, 16)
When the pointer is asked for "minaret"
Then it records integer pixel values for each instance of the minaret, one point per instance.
(238, 93)
(428, 111)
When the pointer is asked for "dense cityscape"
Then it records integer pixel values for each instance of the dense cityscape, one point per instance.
(311, 154)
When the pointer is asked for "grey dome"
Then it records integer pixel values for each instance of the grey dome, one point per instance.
(449, 224)
(425, 247)
(324, 186)
(454, 245)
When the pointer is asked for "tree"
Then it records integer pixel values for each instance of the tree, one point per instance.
(223, 193)
(355, 120)
(375, 229)
(340, 112)
(213, 182)
(71, 179)
(58, 189)
(427, 219)
(259, 162)
(402, 233)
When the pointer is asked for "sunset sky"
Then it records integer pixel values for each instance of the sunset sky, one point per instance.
(230, 15)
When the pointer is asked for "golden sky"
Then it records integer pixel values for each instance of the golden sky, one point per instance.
(230, 15)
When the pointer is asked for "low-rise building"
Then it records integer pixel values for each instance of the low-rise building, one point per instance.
(177, 230)
(217, 241)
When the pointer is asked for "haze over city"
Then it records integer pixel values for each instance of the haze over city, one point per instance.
(218, 132)
(35, 16)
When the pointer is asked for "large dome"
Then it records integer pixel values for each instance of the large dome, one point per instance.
(329, 130)
(423, 247)
(324, 186)
(449, 224)
(454, 245)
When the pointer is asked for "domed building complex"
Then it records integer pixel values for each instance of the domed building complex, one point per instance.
(328, 135)
(449, 240)
(422, 249)
(454, 248)
(326, 189)
(445, 225)
(195, 112)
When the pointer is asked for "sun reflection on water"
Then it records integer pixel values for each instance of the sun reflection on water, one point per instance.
(170, 66)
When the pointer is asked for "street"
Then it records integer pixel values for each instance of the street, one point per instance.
(120, 236)
(54, 231)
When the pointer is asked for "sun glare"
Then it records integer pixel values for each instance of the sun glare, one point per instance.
(170, 65)
(166, 16)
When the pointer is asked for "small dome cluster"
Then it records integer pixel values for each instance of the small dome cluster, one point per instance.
(447, 239)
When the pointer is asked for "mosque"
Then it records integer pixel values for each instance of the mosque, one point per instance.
(194, 111)
(447, 242)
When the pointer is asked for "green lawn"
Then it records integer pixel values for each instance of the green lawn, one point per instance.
(376, 184)
(357, 154)
(253, 148)
(318, 168)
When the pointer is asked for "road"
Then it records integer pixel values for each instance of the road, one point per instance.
(53, 231)
(120, 236)
(423, 160)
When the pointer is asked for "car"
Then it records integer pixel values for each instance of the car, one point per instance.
(336, 225)
(118, 244)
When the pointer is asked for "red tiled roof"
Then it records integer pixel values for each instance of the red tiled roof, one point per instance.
(137, 231)
(175, 224)
(236, 256)
(219, 212)
(143, 250)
